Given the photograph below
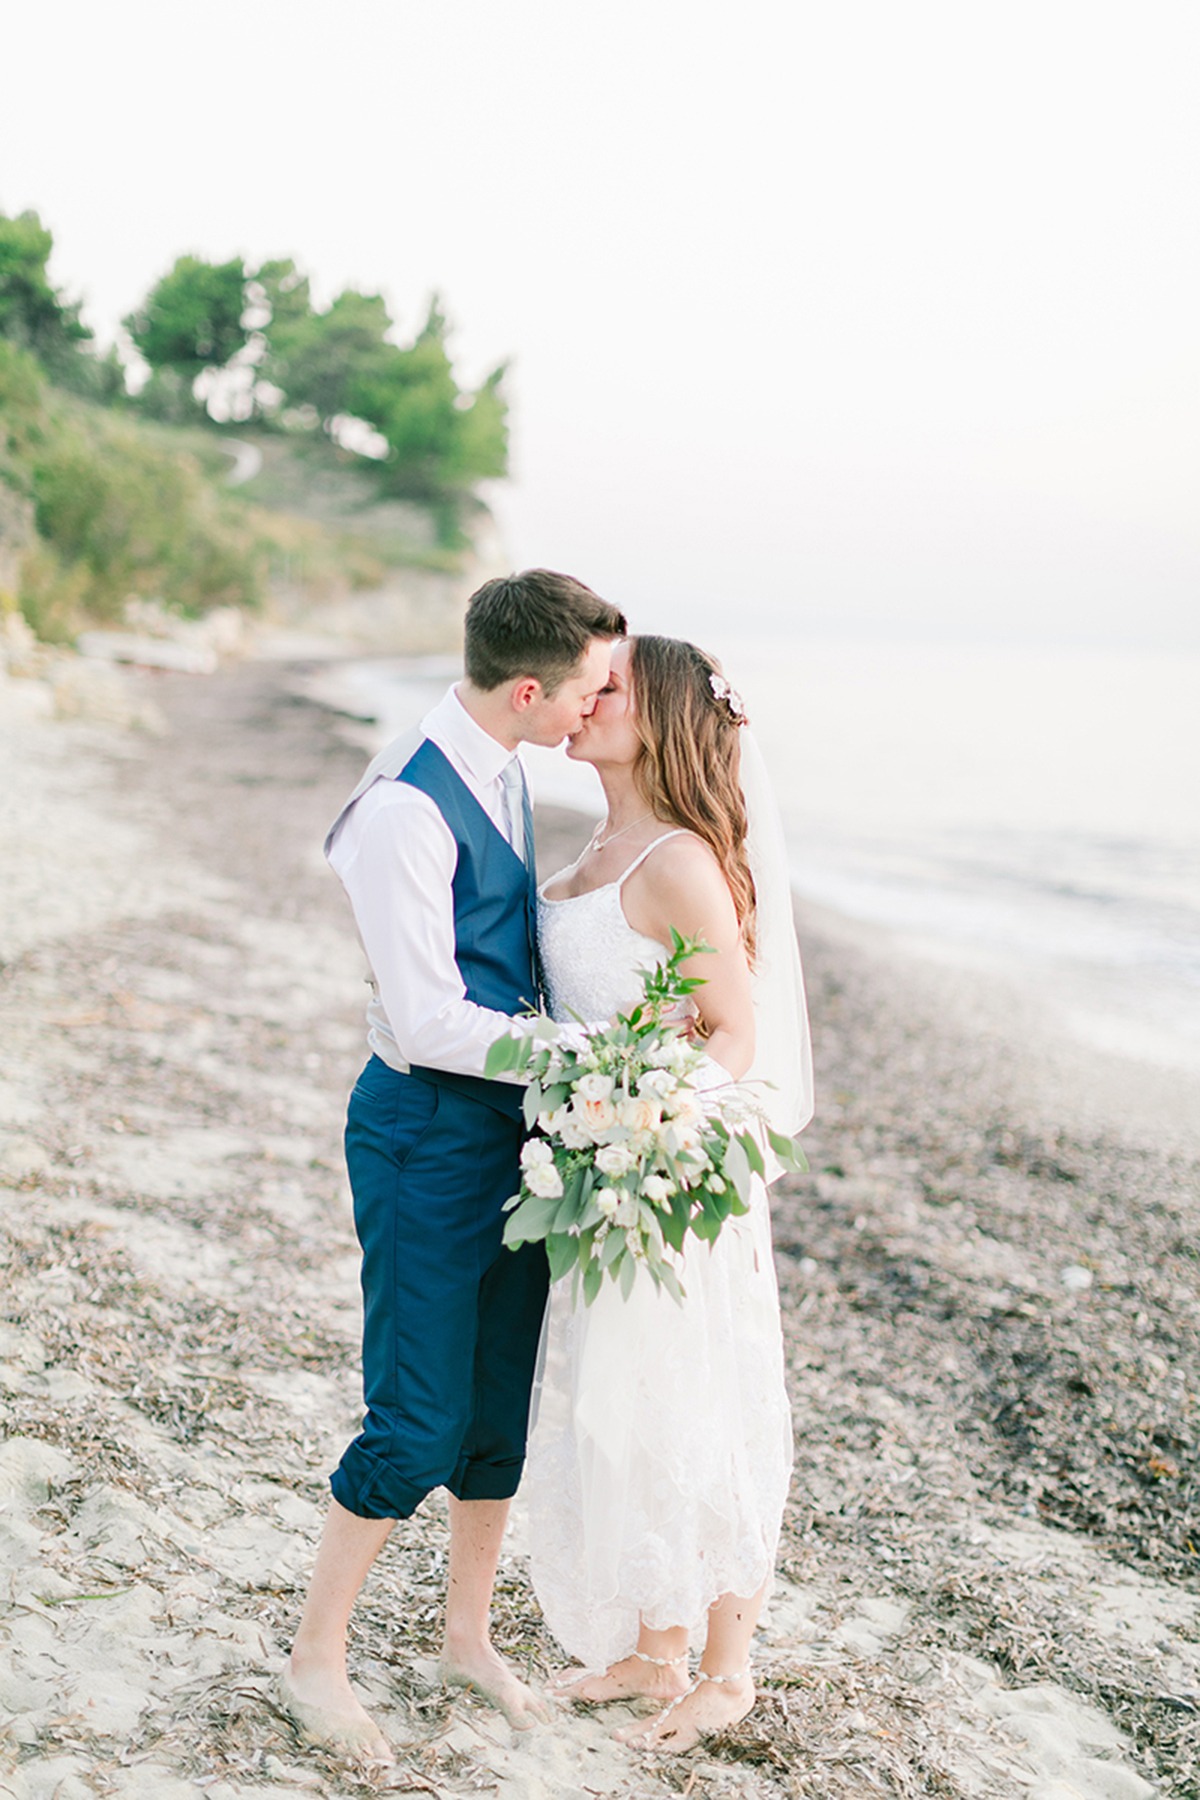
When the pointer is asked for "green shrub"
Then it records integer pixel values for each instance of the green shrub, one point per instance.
(118, 510)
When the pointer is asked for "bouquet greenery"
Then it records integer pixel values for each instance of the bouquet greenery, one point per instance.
(631, 1146)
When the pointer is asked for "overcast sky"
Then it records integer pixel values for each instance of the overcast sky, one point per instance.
(872, 313)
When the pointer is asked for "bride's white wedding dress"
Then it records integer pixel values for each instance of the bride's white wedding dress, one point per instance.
(661, 1449)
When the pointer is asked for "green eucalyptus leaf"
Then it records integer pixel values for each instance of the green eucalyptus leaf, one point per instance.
(562, 1253)
(516, 1233)
(531, 1220)
(611, 1248)
(754, 1155)
(787, 1150)
(671, 1282)
(590, 1214)
(505, 1055)
(567, 1207)
(737, 1167)
(674, 1229)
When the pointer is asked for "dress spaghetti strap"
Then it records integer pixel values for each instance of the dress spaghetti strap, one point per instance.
(639, 859)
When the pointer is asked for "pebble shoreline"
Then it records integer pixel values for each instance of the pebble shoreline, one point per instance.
(988, 1586)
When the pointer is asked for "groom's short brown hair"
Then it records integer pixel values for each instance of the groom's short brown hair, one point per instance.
(537, 623)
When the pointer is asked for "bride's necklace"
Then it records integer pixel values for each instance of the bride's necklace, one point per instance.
(599, 843)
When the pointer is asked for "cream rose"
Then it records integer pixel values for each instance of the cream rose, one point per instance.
(544, 1180)
(678, 1136)
(599, 1116)
(615, 1159)
(639, 1114)
(536, 1152)
(594, 1087)
(573, 1132)
(685, 1108)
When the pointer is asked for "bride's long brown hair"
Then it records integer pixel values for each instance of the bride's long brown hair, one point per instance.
(688, 765)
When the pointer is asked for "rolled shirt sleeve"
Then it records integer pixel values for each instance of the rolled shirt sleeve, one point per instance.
(396, 857)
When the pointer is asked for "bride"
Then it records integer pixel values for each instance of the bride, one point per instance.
(661, 1454)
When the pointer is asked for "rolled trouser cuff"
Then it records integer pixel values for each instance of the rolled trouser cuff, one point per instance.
(487, 1481)
(372, 1489)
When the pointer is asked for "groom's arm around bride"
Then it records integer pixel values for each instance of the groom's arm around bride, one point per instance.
(434, 848)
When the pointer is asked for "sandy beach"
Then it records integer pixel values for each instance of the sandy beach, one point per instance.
(990, 1574)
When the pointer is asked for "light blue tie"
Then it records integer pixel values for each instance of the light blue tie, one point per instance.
(513, 784)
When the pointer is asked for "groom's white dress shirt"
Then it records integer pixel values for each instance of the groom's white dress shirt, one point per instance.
(395, 856)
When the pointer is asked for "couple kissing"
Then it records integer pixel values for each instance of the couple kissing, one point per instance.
(658, 1460)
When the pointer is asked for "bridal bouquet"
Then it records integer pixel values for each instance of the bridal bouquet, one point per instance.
(631, 1146)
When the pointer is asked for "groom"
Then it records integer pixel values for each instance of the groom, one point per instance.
(435, 850)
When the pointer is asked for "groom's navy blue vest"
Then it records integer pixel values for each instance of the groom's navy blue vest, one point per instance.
(495, 913)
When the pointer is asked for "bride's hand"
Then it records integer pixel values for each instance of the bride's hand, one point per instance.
(682, 1013)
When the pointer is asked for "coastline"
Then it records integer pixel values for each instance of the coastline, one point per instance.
(1074, 1042)
(986, 1580)
(1041, 1067)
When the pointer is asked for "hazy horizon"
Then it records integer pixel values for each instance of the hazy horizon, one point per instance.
(871, 319)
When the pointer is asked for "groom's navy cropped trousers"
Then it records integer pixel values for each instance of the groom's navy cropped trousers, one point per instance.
(451, 1318)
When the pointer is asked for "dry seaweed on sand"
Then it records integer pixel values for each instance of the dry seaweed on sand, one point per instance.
(995, 1479)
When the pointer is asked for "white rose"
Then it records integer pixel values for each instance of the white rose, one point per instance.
(676, 1054)
(544, 1180)
(573, 1133)
(658, 1189)
(594, 1087)
(536, 1152)
(659, 1084)
(678, 1136)
(615, 1159)
(685, 1108)
(607, 1200)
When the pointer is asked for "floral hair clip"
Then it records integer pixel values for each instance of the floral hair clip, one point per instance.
(733, 700)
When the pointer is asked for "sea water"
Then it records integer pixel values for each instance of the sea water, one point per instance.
(1030, 807)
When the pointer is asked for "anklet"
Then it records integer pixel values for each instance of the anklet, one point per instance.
(659, 1662)
(700, 1675)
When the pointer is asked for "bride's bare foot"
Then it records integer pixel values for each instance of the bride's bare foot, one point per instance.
(633, 1678)
(323, 1707)
(480, 1667)
(708, 1707)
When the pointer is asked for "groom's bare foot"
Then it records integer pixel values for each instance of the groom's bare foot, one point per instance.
(481, 1667)
(706, 1709)
(327, 1714)
(632, 1678)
